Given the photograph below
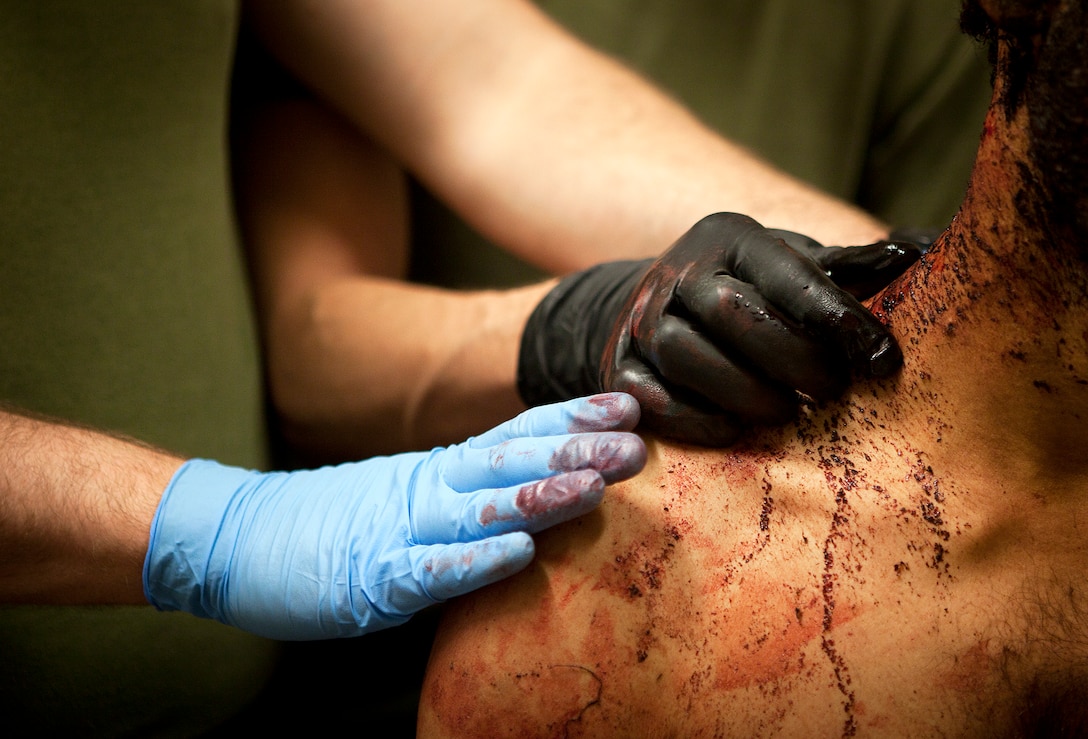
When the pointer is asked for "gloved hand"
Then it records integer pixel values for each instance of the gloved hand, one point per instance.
(718, 333)
(341, 551)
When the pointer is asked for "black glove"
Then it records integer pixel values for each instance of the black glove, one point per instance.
(718, 333)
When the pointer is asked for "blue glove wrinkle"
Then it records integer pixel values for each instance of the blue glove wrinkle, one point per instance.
(385, 582)
(465, 468)
(537, 505)
(390, 586)
(496, 456)
(271, 517)
(178, 560)
(604, 412)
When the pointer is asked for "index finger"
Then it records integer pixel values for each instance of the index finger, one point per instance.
(798, 287)
(603, 412)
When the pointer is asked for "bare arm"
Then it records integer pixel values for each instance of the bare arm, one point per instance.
(360, 361)
(75, 513)
(544, 145)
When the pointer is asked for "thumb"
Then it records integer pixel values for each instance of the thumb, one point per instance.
(859, 270)
(864, 270)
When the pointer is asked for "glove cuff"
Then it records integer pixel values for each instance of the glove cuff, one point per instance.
(180, 572)
(565, 337)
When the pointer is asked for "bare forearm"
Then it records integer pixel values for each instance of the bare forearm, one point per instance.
(543, 144)
(586, 161)
(367, 366)
(558, 153)
(361, 361)
(75, 513)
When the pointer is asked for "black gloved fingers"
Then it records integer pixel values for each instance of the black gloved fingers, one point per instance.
(921, 236)
(799, 242)
(861, 270)
(696, 426)
(798, 287)
(683, 357)
(864, 271)
(673, 414)
(734, 314)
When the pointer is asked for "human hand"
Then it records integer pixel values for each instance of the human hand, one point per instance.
(342, 551)
(734, 319)
(718, 333)
(864, 271)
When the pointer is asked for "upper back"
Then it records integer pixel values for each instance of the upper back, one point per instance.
(837, 585)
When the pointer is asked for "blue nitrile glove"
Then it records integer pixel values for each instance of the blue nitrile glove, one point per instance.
(342, 551)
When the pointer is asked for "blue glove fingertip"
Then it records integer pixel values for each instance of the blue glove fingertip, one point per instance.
(616, 455)
(517, 550)
(615, 411)
(560, 498)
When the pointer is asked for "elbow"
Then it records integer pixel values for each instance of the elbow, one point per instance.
(325, 407)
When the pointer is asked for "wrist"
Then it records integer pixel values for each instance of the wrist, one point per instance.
(183, 568)
(564, 338)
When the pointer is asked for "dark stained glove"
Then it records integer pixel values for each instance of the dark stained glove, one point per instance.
(719, 333)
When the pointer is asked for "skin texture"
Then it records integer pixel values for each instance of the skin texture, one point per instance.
(75, 511)
(907, 561)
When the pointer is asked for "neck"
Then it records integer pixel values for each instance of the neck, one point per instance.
(994, 325)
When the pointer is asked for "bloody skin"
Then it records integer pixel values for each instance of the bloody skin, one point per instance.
(905, 561)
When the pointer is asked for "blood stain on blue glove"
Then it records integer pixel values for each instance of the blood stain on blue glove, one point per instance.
(618, 412)
(538, 500)
(614, 455)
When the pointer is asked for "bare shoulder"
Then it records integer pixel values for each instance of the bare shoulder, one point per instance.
(627, 619)
(757, 593)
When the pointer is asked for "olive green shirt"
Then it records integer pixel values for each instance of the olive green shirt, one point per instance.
(123, 306)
